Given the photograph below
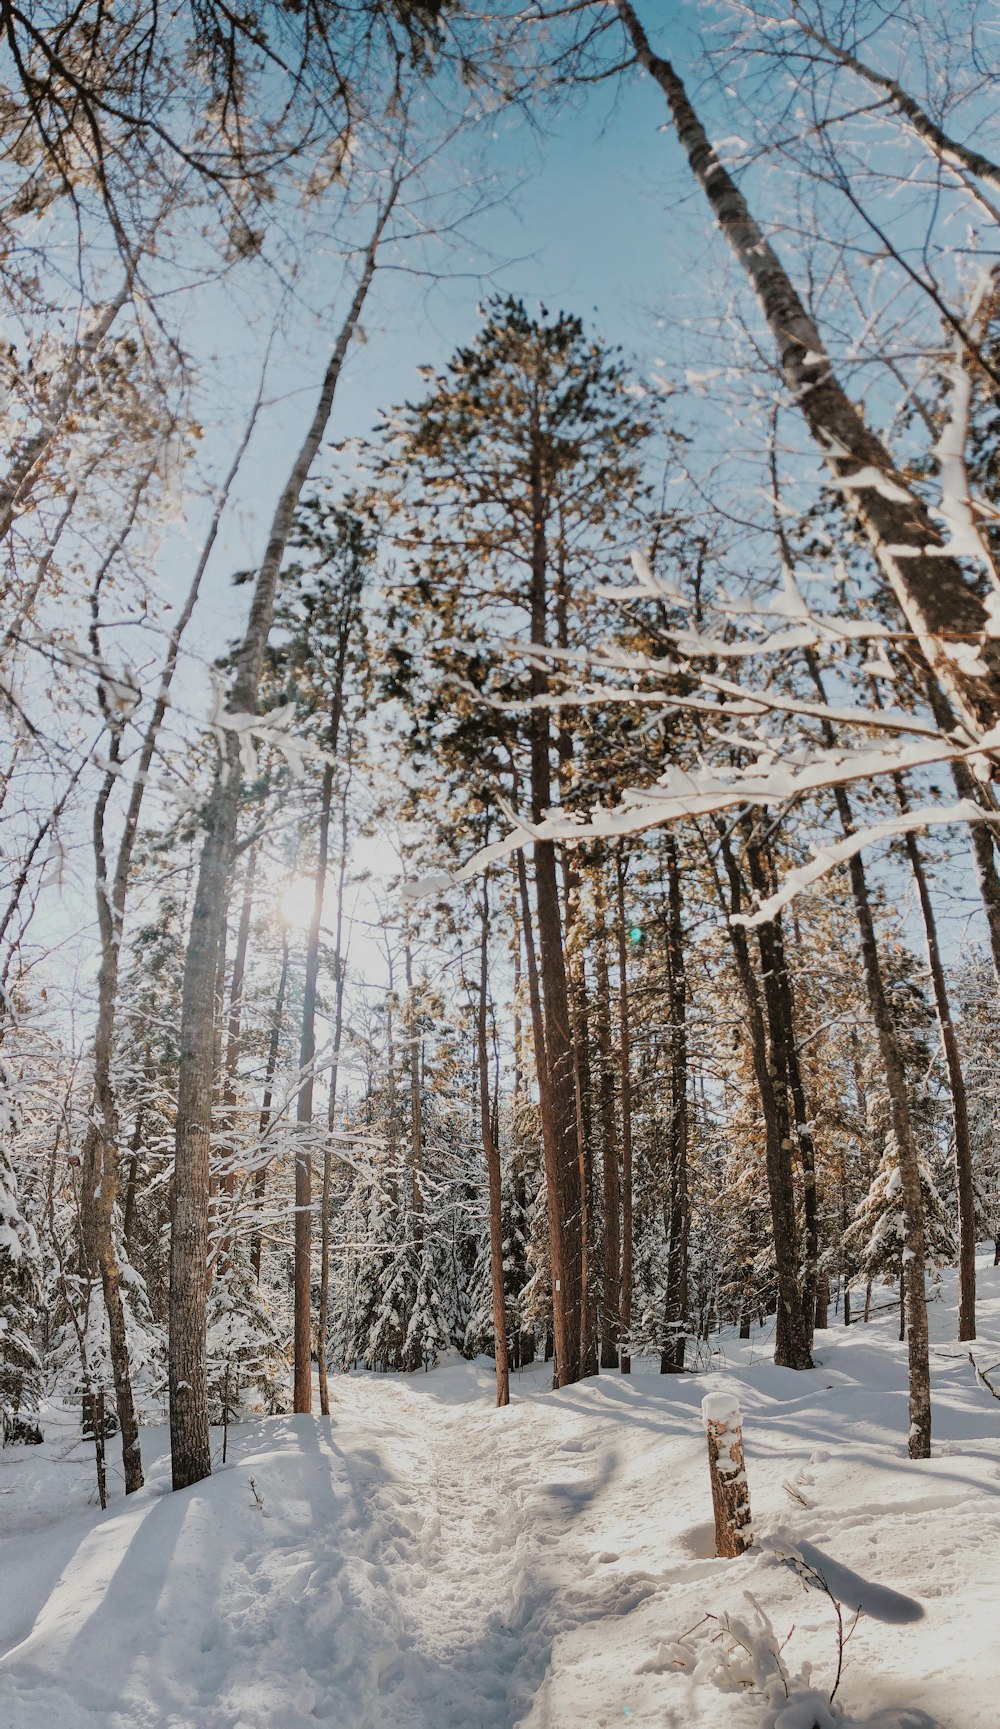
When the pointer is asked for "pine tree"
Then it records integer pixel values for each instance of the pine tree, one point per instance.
(515, 483)
(875, 1240)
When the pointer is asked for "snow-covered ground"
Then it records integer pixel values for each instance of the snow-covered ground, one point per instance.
(423, 1561)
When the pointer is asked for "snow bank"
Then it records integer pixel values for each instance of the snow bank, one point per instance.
(423, 1561)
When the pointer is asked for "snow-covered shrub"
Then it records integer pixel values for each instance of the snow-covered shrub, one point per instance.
(20, 1269)
(248, 1362)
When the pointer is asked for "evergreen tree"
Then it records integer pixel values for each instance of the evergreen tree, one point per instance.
(512, 488)
(875, 1240)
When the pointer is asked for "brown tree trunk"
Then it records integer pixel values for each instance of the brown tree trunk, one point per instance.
(340, 980)
(610, 1155)
(189, 1439)
(792, 1330)
(678, 1216)
(274, 1041)
(728, 1475)
(492, 1155)
(625, 1062)
(781, 1018)
(583, 1089)
(233, 1030)
(538, 1040)
(302, 1278)
(414, 1041)
(557, 1072)
(938, 603)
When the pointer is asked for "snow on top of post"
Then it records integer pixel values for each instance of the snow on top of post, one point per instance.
(721, 1408)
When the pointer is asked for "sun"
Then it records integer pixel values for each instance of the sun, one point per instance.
(295, 903)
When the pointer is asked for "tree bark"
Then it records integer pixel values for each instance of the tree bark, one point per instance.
(234, 1027)
(679, 1212)
(956, 1085)
(492, 1155)
(625, 1061)
(340, 980)
(781, 1017)
(728, 1474)
(610, 1155)
(913, 1278)
(189, 1439)
(274, 1041)
(792, 1330)
(414, 1041)
(302, 1278)
(938, 603)
(556, 1074)
(942, 145)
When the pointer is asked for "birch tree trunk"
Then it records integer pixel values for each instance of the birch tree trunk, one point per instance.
(99, 1184)
(189, 1439)
(938, 603)
(945, 148)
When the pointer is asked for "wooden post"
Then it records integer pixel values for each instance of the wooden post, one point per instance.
(730, 1494)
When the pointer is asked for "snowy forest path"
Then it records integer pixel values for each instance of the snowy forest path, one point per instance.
(468, 1541)
(421, 1560)
(408, 1563)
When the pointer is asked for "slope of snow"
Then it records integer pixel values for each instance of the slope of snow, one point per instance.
(423, 1561)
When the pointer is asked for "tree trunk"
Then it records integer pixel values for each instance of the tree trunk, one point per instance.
(414, 1041)
(942, 145)
(557, 1073)
(912, 1283)
(938, 603)
(233, 1030)
(781, 1018)
(274, 1041)
(610, 1156)
(302, 1329)
(583, 1090)
(340, 980)
(728, 1475)
(189, 1440)
(492, 1155)
(99, 1186)
(956, 1084)
(625, 1062)
(791, 1343)
(99, 1166)
(678, 1219)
